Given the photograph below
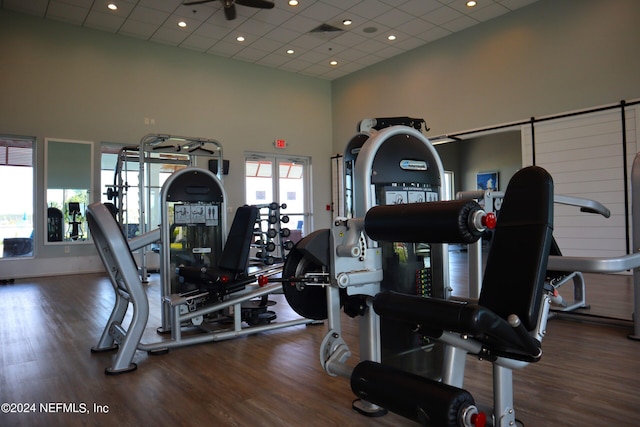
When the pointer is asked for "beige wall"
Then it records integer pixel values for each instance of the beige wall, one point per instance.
(63, 81)
(549, 57)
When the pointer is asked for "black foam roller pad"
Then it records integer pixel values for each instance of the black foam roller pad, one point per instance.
(414, 397)
(430, 222)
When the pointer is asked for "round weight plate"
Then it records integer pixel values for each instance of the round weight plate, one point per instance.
(285, 218)
(272, 232)
(285, 232)
(310, 301)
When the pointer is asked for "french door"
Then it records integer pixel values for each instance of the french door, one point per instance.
(283, 180)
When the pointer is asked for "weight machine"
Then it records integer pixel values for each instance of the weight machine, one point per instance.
(505, 326)
(205, 283)
(134, 197)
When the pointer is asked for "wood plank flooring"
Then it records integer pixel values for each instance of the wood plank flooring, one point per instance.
(589, 374)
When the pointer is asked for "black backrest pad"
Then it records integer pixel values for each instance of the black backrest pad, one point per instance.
(517, 260)
(235, 254)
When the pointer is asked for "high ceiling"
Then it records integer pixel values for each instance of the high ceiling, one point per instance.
(270, 33)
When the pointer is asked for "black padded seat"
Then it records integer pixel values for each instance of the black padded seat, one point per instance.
(230, 273)
(509, 303)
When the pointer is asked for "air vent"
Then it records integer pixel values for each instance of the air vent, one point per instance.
(326, 31)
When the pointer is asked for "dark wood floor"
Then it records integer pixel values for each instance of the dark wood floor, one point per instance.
(589, 374)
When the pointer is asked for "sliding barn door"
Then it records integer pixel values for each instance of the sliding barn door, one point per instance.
(588, 157)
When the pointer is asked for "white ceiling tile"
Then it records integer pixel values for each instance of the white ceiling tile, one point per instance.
(256, 28)
(321, 11)
(491, 11)
(368, 59)
(408, 43)
(211, 31)
(365, 30)
(35, 7)
(308, 41)
(273, 60)
(459, 24)
(67, 12)
(371, 46)
(295, 65)
(342, 4)
(225, 48)
(318, 69)
(250, 54)
(104, 21)
(301, 23)
(169, 36)
(370, 9)
(416, 26)
(315, 56)
(388, 52)
(199, 43)
(275, 16)
(420, 7)
(349, 38)
(85, 4)
(516, 4)
(434, 34)
(165, 5)
(140, 30)
(442, 15)
(393, 18)
(268, 45)
(149, 15)
(124, 8)
(283, 35)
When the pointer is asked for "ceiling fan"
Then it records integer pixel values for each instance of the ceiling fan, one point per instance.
(230, 5)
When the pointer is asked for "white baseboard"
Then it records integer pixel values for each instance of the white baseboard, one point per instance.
(19, 268)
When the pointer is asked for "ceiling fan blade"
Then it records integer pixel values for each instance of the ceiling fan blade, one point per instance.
(191, 3)
(260, 4)
(230, 12)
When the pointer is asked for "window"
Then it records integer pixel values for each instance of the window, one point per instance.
(16, 193)
(448, 186)
(119, 172)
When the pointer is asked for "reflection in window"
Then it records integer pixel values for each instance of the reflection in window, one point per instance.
(69, 178)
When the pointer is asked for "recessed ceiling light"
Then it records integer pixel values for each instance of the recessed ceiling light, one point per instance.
(293, 2)
(347, 22)
(112, 6)
(291, 51)
(333, 63)
(391, 37)
(182, 24)
(471, 3)
(240, 38)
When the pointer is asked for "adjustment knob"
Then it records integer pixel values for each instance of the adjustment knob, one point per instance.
(489, 220)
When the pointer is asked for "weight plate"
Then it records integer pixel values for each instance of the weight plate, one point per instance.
(310, 301)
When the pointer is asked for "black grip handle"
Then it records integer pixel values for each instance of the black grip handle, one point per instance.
(431, 222)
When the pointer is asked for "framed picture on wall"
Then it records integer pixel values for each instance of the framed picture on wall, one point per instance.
(487, 181)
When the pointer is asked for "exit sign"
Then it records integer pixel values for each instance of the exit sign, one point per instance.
(280, 143)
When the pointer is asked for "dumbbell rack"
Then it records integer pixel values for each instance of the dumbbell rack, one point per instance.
(271, 241)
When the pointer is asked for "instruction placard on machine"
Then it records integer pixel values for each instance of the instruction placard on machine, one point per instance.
(397, 195)
(206, 214)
